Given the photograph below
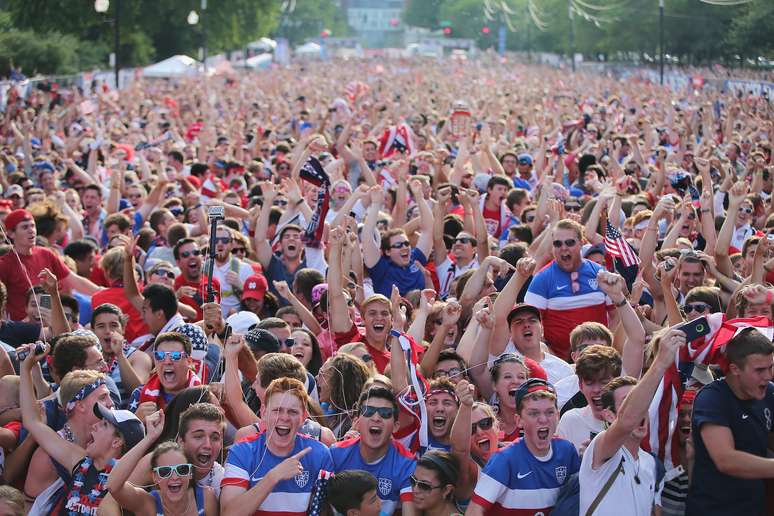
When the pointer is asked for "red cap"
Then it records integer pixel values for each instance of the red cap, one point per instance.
(535, 369)
(14, 218)
(195, 182)
(255, 287)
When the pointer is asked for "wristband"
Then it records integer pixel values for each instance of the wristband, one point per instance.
(623, 302)
(395, 333)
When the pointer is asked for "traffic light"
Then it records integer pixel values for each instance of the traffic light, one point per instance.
(485, 30)
(447, 31)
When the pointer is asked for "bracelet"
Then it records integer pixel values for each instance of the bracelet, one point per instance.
(707, 210)
(395, 333)
(299, 202)
(623, 302)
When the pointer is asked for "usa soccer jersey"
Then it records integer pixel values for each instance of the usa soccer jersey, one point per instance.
(249, 460)
(393, 472)
(515, 482)
(566, 300)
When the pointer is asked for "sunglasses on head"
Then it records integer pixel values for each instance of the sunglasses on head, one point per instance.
(164, 272)
(695, 307)
(422, 485)
(483, 424)
(384, 412)
(570, 242)
(174, 355)
(400, 245)
(463, 240)
(194, 252)
(181, 470)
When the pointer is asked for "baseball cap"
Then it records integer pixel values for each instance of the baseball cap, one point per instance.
(255, 287)
(241, 322)
(525, 159)
(591, 249)
(15, 218)
(533, 385)
(14, 190)
(262, 340)
(522, 307)
(127, 424)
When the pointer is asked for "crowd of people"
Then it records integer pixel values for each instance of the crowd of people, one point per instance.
(378, 286)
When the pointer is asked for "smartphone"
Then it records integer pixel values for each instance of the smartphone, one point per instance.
(45, 301)
(695, 329)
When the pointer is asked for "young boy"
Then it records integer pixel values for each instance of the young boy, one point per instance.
(353, 493)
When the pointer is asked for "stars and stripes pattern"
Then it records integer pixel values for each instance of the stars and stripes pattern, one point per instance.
(355, 89)
(320, 493)
(617, 246)
(314, 172)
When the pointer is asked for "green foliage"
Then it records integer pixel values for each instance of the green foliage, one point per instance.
(310, 18)
(423, 13)
(51, 54)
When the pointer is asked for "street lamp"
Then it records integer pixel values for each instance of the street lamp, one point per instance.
(193, 18)
(102, 6)
(661, 41)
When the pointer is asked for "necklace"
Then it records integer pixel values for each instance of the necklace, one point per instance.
(164, 505)
(68, 433)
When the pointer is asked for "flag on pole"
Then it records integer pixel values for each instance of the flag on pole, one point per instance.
(314, 172)
(396, 139)
(617, 246)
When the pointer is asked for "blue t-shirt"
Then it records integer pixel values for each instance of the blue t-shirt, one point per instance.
(393, 471)
(712, 492)
(250, 460)
(516, 482)
(387, 273)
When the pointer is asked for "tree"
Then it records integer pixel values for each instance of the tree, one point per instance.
(308, 20)
(751, 32)
(423, 13)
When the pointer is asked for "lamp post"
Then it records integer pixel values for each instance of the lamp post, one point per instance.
(572, 35)
(661, 41)
(102, 6)
(193, 19)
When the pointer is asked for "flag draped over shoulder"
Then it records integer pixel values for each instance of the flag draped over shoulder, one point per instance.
(396, 139)
(314, 172)
(707, 350)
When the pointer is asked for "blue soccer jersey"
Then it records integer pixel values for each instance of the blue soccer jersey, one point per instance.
(393, 472)
(515, 482)
(249, 460)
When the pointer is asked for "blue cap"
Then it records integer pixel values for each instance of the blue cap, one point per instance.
(525, 159)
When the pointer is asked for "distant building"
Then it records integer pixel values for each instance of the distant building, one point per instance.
(377, 23)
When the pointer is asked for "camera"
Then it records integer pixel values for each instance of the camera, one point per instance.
(216, 213)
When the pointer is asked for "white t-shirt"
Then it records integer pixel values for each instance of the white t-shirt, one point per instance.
(566, 388)
(577, 425)
(447, 271)
(229, 301)
(636, 498)
(555, 367)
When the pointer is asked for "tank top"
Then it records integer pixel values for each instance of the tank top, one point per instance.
(198, 495)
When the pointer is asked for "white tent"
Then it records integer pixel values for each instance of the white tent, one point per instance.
(175, 66)
(261, 61)
(263, 45)
(309, 49)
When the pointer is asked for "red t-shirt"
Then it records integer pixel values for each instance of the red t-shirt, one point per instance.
(492, 220)
(135, 326)
(201, 287)
(357, 334)
(19, 278)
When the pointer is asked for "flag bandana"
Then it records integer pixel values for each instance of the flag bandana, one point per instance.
(314, 172)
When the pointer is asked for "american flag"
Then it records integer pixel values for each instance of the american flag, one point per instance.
(314, 172)
(616, 245)
(320, 494)
(707, 350)
(354, 89)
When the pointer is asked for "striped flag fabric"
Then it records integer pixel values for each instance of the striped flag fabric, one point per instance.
(708, 350)
(617, 246)
(317, 507)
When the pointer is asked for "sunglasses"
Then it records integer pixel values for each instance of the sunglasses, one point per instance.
(240, 250)
(186, 254)
(283, 167)
(745, 210)
(177, 211)
(222, 240)
(280, 202)
(181, 470)
(289, 342)
(366, 358)
(400, 245)
(174, 355)
(463, 240)
(695, 307)
(422, 485)
(529, 218)
(384, 412)
(570, 242)
(483, 424)
(164, 272)
(454, 371)
(573, 208)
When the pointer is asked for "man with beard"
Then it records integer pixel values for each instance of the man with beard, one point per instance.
(731, 429)
(394, 262)
(20, 269)
(615, 472)
(374, 450)
(566, 292)
(525, 477)
(172, 374)
(292, 255)
(191, 284)
(519, 328)
(277, 470)
(229, 270)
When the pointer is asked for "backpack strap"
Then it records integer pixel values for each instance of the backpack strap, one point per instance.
(605, 489)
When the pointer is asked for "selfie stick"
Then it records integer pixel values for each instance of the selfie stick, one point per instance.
(215, 213)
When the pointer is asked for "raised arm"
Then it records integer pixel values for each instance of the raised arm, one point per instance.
(449, 318)
(262, 244)
(127, 495)
(240, 411)
(735, 199)
(505, 301)
(460, 440)
(371, 248)
(635, 406)
(307, 318)
(479, 358)
(340, 319)
(613, 285)
(425, 242)
(440, 253)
